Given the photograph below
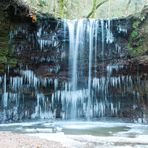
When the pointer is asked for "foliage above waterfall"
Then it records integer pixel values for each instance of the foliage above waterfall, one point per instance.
(72, 9)
(87, 8)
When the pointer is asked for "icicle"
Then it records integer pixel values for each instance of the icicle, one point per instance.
(5, 94)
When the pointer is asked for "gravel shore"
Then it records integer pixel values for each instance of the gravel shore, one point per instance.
(15, 140)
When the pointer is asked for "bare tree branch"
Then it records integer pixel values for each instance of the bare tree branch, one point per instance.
(129, 2)
(100, 4)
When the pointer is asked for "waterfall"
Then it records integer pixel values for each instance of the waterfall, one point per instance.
(84, 40)
(91, 40)
(70, 71)
(77, 41)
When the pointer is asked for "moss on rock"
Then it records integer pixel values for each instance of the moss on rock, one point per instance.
(6, 53)
(138, 37)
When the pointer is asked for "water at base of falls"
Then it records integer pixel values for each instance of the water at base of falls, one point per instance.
(84, 134)
(78, 80)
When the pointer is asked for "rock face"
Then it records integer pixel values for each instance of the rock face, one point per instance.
(76, 69)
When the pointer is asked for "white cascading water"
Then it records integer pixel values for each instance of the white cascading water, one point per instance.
(91, 31)
(85, 32)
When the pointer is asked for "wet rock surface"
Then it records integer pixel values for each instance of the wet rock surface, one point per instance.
(39, 84)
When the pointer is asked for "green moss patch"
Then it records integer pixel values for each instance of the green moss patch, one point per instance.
(6, 51)
(137, 37)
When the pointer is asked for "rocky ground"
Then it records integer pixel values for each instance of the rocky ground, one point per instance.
(14, 140)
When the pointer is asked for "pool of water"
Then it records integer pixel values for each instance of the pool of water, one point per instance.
(85, 134)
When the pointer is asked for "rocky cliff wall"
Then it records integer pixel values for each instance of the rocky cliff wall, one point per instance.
(35, 84)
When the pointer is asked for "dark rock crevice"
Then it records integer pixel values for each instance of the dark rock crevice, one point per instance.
(16, 9)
